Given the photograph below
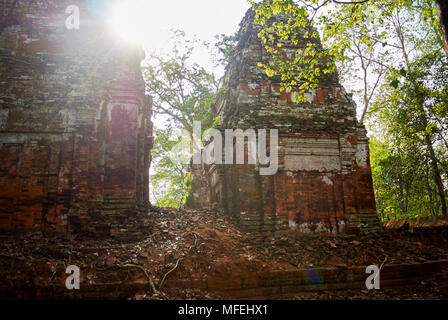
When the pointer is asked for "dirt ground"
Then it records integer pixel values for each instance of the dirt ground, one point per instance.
(186, 244)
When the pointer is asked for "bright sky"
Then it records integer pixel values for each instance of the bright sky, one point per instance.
(150, 21)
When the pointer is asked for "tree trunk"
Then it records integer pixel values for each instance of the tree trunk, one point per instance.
(436, 172)
(442, 9)
(401, 201)
(431, 201)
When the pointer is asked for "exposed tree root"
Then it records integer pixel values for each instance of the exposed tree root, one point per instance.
(151, 283)
(178, 260)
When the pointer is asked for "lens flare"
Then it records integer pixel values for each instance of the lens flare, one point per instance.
(312, 276)
(130, 19)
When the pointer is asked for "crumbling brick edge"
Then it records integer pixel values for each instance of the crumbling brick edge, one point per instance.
(287, 283)
(280, 284)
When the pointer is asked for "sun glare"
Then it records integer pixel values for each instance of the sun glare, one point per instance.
(130, 19)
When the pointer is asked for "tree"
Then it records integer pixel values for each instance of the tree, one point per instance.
(394, 48)
(183, 92)
(169, 175)
(403, 187)
(413, 102)
(345, 25)
(442, 9)
(225, 45)
(414, 113)
(367, 50)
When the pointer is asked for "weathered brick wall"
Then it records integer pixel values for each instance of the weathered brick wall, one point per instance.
(200, 196)
(324, 178)
(75, 125)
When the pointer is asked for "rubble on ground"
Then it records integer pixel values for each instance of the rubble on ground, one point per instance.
(191, 244)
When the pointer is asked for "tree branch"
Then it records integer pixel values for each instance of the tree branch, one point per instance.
(351, 2)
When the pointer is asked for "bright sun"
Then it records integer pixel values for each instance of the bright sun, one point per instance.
(131, 20)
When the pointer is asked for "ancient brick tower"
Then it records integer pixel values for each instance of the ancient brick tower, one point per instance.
(324, 179)
(75, 128)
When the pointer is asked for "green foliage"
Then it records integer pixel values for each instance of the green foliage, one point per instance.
(225, 44)
(188, 185)
(400, 183)
(352, 31)
(182, 92)
(409, 169)
(394, 49)
(181, 89)
(167, 181)
(309, 63)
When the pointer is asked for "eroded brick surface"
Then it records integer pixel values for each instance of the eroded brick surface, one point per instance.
(324, 179)
(75, 128)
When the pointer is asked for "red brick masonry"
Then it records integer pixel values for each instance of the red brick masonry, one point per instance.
(323, 183)
(75, 125)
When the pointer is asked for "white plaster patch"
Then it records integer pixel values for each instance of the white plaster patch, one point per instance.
(320, 227)
(28, 41)
(327, 180)
(99, 112)
(20, 138)
(290, 53)
(308, 154)
(339, 91)
(124, 106)
(309, 96)
(312, 163)
(109, 112)
(303, 228)
(214, 179)
(140, 120)
(252, 85)
(292, 225)
(3, 117)
(361, 155)
(294, 97)
(348, 144)
(341, 226)
(68, 117)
